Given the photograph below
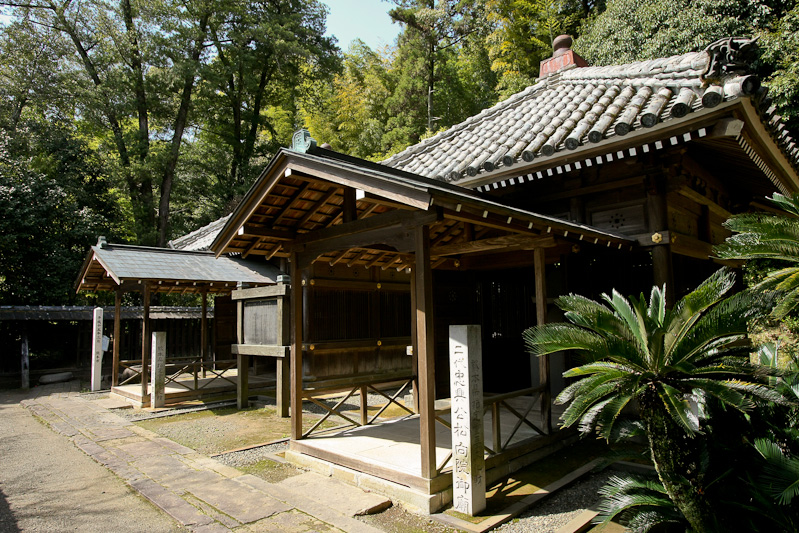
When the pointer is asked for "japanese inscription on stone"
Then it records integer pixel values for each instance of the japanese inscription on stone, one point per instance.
(158, 370)
(97, 348)
(466, 388)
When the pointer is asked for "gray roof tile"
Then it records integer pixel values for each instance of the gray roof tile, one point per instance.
(576, 106)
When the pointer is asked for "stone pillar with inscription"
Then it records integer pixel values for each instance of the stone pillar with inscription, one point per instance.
(97, 349)
(466, 389)
(158, 369)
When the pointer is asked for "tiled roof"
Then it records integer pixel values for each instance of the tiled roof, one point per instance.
(199, 239)
(580, 106)
(109, 265)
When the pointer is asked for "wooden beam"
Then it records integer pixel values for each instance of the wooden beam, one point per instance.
(317, 206)
(259, 292)
(117, 337)
(385, 220)
(490, 222)
(146, 346)
(426, 356)
(290, 205)
(591, 189)
(296, 348)
(658, 222)
(541, 319)
(250, 248)
(494, 243)
(204, 328)
(253, 230)
(446, 232)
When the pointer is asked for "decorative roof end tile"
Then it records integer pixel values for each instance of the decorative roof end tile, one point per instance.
(562, 58)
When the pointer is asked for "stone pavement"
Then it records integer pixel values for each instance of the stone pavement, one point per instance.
(200, 493)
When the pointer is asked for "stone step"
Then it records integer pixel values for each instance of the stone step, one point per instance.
(336, 494)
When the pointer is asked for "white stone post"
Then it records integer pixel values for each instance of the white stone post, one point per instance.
(466, 390)
(158, 370)
(97, 349)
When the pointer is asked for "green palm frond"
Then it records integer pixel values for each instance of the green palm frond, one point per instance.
(689, 309)
(789, 204)
(633, 319)
(678, 407)
(550, 338)
(781, 473)
(640, 502)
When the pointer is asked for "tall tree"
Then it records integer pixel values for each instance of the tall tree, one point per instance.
(264, 50)
(117, 53)
(433, 28)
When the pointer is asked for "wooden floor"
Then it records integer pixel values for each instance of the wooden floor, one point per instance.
(392, 451)
(185, 389)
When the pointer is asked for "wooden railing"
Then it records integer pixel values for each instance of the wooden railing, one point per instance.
(363, 389)
(184, 372)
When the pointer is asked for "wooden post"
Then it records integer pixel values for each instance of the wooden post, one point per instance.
(425, 356)
(97, 349)
(414, 345)
(145, 340)
(296, 348)
(158, 392)
(283, 385)
(657, 211)
(364, 406)
(117, 337)
(204, 330)
(242, 362)
(539, 258)
(349, 209)
(25, 363)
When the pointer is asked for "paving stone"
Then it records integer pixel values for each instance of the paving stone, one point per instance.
(336, 494)
(211, 528)
(291, 521)
(307, 505)
(242, 502)
(212, 511)
(175, 506)
(144, 449)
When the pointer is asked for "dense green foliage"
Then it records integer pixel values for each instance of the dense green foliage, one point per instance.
(674, 363)
(769, 236)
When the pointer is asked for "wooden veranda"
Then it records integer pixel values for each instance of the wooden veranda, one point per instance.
(353, 232)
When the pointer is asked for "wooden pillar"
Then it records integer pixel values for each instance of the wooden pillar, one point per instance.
(657, 211)
(242, 362)
(117, 337)
(414, 345)
(146, 348)
(296, 348)
(204, 330)
(283, 388)
(541, 318)
(349, 209)
(425, 347)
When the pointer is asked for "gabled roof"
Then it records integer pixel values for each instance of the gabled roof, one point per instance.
(575, 111)
(300, 198)
(199, 239)
(109, 266)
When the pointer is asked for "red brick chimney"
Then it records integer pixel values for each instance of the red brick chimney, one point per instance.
(562, 57)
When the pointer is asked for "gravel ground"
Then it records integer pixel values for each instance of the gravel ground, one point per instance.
(251, 456)
(557, 510)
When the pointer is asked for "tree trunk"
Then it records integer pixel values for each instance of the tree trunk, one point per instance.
(676, 457)
(177, 137)
(143, 136)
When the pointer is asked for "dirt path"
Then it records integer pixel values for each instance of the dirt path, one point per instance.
(47, 484)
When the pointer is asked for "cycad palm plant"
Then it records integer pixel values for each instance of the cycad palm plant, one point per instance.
(670, 362)
(769, 236)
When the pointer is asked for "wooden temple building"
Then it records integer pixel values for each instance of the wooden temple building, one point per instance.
(591, 179)
(594, 178)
